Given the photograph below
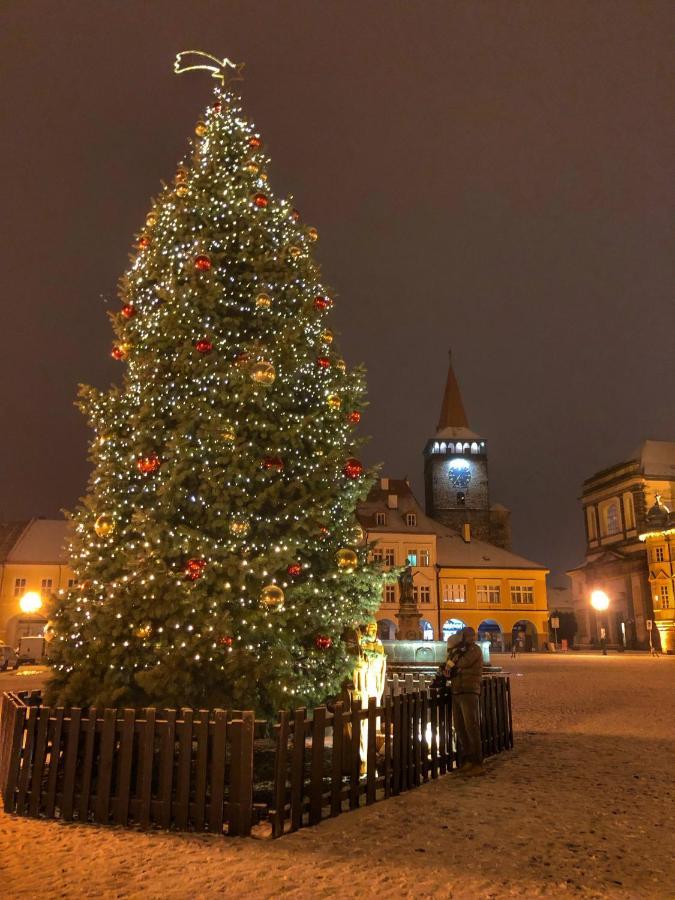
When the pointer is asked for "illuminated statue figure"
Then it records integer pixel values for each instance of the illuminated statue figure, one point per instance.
(369, 679)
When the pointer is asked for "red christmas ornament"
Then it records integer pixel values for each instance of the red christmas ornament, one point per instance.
(323, 642)
(203, 346)
(225, 641)
(322, 303)
(294, 569)
(255, 142)
(128, 311)
(148, 464)
(143, 242)
(273, 462)
(353, 468)
(323, 362)
(217, 106)
(194, 569)
(295, 215)
(202, 263)
(354, 417)
(260, 200)
(117, 353)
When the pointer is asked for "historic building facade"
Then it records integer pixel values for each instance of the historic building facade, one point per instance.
(457, 579)
(659, 540)
(615, 502)
(32, 560)
(458, 546)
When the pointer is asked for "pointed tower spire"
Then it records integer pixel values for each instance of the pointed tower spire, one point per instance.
(452, 409)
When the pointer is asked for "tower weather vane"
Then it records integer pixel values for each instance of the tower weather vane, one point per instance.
(192, 60)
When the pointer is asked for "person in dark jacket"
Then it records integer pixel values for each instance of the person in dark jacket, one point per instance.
(465, 669)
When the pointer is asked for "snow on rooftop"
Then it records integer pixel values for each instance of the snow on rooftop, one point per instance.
(41, 541)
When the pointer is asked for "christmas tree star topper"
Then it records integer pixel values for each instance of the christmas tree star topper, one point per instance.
(198, 58)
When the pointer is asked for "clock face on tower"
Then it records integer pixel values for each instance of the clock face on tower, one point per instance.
(459, 472)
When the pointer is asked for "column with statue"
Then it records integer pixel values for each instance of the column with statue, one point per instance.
(408, 614)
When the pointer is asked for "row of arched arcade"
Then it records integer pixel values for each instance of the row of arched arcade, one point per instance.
(523, 631)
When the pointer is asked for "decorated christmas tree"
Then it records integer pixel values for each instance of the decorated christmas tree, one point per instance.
(218, 556)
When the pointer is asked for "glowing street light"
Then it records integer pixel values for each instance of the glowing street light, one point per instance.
(599, 601)
(31, 602)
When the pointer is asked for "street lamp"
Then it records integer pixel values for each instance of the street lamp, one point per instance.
(31, 602)
(600, 603)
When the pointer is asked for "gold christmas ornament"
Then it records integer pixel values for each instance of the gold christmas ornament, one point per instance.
(182, 190)
(151, 220)
(143, 631)
(263, 372)
(312, 234)
(272, 595)
(327, 337)
(333, 401)
(181, 174)
(200, 129)
(347, 559)
(294, 251)
(104, 525)
(340, 365)
(240, 526)
(252, 168)
(228, 434)
(264, 176)
(263, 301)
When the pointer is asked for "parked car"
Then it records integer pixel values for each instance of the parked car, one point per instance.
(9, 658)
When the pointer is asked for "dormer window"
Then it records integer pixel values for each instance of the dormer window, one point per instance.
(380, 518)
(411, 520)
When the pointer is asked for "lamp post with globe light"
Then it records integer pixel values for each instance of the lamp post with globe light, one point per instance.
(30, 603)
(600, 603)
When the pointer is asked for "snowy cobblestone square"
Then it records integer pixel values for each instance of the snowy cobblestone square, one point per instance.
(582, 807)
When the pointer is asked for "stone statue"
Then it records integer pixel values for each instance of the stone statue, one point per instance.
(408, 615)
(405, 581)
(369, 679)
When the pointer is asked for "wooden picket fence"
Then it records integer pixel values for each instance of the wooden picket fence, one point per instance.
(194, 769)
(186, 769)
(410, 741)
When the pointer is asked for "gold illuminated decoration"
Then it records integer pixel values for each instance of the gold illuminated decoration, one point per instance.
(272, 595)
(104, 525)
(347, 559)
(224, 69)
(263, 372)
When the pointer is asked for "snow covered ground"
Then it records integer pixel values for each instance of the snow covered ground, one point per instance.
(582, 807)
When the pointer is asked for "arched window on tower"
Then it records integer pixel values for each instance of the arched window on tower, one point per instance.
(443, 447)
(474, 447)
(611, 517)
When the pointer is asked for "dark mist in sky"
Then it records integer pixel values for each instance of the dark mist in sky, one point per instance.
(495, 177)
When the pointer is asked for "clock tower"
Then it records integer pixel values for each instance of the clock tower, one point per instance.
(456, 482)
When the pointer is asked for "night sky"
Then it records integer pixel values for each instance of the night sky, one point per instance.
(489, 176)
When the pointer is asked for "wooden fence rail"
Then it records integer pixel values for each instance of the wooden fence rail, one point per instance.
(194, 769)
(184, 769)
(318, 771)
